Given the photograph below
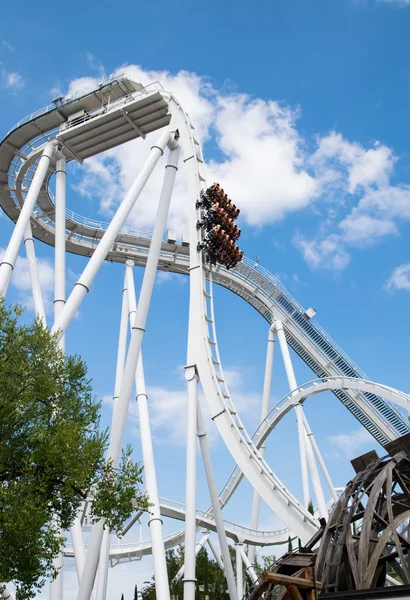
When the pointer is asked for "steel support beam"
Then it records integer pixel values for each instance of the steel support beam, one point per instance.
(199, 545)
(298, 410)
(34, 276)
(191, 378)
(10, 256)
(138, 329)
(239, 572)
(150, 478)
(216, 506)
(103, 564)
(267, 384)
(94, 264)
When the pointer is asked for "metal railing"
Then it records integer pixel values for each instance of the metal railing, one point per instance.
(65, 100)
(111, 106)
(234, 526)
(248, 270)
(252, 273)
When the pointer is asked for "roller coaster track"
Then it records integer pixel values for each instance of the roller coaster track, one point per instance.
(176, 510)
(153, 109)
(239, 533)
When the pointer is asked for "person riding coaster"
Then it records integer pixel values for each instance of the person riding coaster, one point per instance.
(226, 253)
(215, 195)
(211, 218)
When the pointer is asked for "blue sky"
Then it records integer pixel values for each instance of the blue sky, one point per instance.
(303, 112)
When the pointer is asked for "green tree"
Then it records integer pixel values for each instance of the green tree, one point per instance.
(290, 546)
(208, 574)
(51, 453)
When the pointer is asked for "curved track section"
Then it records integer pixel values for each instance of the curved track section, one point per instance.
(302, 393)
(203, 354)
(307, 390)
(153, 109)
(19, 151)
(239, 533)
(205, 521)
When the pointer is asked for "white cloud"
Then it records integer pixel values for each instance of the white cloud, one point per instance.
(56, 91)
(372, 167)
(364, 230)
(399, 279)
(12, 80)
(95, 64)
(327, 253)
(166, 277)
(353, 443)
(265, 165)
(348, 169)
(390, 201)
(400, 3)
(337, 159)
(9, 47)
(81, 84)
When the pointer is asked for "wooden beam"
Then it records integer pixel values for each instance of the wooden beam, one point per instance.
(304, 584)
(294, 592)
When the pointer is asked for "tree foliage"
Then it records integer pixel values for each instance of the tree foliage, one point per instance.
(208, 575)
(210, 578)
(51, 453)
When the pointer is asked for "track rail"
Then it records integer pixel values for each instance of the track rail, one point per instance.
(18, 154)
(249, 280)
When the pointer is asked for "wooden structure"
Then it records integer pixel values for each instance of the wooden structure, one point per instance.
(295, 574)
(367, 538)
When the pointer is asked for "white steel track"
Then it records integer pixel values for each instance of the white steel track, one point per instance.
(300, 395)
(151, 109)
(240, 533)
(248, 280)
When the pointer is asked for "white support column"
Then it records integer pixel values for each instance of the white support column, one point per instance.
(191, 378)
(60, 242)
(298, 409)
(122, 344)
(248, 565)
(87, 277)
(10, 256)
(314, 474)
(56, 585)
(155, 520)
(239, 572)
(267, 384)
(199, 545)
(77, 540)
(216, 506)
(103, 564)
(319, 457)
(34, 277)
(138, 329)
(307, 457)
(215, 552)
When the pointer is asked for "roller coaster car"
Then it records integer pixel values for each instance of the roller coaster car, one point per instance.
(218, 215)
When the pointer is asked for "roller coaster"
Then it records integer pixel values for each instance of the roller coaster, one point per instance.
(76, 128)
